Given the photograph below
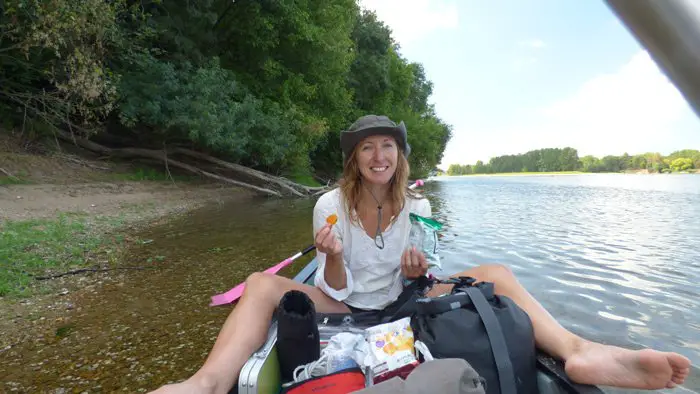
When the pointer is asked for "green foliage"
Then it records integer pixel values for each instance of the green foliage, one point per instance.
(11, 180)
(207, 106)
(150, 174)
(563, 160)
(54, 56)
(264, 83)
(681, 164)
(369, 74)
(541, 160)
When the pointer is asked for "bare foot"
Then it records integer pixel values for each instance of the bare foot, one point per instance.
(605, 365)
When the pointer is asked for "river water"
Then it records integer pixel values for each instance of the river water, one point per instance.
(615, 258)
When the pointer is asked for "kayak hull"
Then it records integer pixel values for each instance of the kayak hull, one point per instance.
(261, 373)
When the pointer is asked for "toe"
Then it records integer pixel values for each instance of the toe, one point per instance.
(678, 379)
(682, 374)
(678, 361)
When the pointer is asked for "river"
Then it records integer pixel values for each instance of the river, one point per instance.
(615, 258)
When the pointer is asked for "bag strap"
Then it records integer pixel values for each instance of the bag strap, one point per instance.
(506, 377)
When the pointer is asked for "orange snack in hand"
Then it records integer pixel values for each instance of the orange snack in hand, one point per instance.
(332, 219)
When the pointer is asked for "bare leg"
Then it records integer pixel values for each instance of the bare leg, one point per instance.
(586, 362)
(244, 332)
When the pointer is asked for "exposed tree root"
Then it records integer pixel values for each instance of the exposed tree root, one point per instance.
(283, 185)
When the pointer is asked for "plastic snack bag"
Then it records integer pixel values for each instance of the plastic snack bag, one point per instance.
(391, 350)
(345, 350)
(424, 236)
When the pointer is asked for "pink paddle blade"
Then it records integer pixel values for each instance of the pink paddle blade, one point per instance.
(228, 297)
(236, 293)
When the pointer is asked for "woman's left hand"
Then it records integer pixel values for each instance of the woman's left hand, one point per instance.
(413, 263)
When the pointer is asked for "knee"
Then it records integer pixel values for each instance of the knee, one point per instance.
(494, 272)
(259, 283)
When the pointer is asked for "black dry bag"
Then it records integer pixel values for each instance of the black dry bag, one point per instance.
(298, 339)
(489, 331)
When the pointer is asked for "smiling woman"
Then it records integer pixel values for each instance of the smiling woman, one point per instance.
(371, 148)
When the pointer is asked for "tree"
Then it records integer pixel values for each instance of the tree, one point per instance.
(268, 84)
(53, 65)
(681, 164)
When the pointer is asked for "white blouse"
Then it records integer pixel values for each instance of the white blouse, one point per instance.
(374, 277)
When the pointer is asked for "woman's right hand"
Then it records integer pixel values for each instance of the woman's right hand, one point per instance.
(413, 263)
(327, 243)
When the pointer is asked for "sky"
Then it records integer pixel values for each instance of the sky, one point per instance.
(513, 76)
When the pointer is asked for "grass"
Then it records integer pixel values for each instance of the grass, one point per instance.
(33, 247)
(303, 178)
(149, 174)
(7, 180)
(16, 179)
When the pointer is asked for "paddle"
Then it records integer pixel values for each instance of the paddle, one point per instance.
(236, 292)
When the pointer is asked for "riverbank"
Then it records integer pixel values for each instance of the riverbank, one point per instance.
(50, 233)
(65, 222)
(51, 229)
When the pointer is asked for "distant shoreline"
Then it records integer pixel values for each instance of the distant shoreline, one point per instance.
(568, 173)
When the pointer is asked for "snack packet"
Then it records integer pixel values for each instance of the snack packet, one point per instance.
(391, 350)
(424, 236)
(345, 350)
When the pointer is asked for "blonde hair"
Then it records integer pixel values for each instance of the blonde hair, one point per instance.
(351, 185)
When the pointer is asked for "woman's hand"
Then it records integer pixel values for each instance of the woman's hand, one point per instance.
(327, 243)
(413, 263)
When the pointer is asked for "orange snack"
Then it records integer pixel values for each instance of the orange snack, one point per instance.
(332, 219)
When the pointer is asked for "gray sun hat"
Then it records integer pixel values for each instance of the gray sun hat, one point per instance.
(369, 125)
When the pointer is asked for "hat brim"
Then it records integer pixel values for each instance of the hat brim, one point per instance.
(348, 140)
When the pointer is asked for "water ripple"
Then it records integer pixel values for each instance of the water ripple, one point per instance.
(613, 258)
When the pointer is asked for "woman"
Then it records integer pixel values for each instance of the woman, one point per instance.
(363, 260)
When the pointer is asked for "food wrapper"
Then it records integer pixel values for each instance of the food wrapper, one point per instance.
(391, 350)
(424, 236)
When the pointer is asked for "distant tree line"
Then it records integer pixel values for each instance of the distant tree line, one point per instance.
(567, 159)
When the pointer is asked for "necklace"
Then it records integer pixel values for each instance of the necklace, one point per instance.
(378, 233)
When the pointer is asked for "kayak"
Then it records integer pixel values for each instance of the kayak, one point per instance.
(261, 373)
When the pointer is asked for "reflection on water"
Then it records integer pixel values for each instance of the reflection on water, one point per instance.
(614, 258)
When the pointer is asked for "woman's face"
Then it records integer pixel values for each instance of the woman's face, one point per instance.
(377, 157)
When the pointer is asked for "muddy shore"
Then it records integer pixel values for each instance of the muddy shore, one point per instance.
(52, 186)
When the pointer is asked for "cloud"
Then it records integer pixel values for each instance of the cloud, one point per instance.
(629, 110)
(534, 43)
(634, 109)
(412, 20)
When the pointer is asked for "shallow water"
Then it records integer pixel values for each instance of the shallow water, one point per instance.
(615, 258)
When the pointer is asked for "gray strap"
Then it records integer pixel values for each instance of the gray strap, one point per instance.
(506, 377)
